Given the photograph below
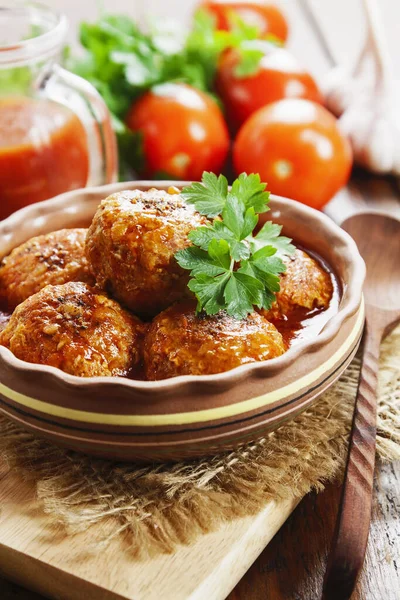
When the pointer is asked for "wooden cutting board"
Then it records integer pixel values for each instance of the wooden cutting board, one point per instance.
(44, 560)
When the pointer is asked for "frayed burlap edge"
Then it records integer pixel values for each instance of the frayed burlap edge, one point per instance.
(154, 508)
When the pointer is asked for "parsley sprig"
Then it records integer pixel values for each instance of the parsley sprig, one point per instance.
(231, 268)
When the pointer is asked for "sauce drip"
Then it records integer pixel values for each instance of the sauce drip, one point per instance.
(303, 324)
(43, 152)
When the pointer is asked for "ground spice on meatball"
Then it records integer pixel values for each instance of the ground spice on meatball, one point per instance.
(305, 284)
(180, 343)
(131, 246)
(51, 259)
(76, 329)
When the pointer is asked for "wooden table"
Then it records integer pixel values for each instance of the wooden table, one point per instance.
(292, 566)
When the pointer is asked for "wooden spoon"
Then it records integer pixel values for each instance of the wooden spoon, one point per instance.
(378, 240)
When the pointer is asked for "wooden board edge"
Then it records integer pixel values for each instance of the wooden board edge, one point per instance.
(244, 552)
(48, 580)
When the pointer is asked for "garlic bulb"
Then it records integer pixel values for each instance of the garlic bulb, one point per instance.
(343, 86)
(372, 117)
(339, 90)
(367, 100)
(372, 123)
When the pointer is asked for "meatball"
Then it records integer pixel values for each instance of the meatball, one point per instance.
(50, 259)
(180, 343)
(76, 329)
(305, 284)
(131, 245)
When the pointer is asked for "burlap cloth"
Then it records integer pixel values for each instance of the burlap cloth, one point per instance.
(155, 508)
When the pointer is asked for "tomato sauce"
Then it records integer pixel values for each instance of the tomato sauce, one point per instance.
(43, 152)
(303, 324)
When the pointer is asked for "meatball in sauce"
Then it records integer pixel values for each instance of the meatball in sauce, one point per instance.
(77, 329)
(308, 298)
(181, 343)
(51, 259)
(131, 248)
(305, 284)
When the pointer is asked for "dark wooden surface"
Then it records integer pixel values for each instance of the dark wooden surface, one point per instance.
(381, 252)
(292, 566)
(347, 552)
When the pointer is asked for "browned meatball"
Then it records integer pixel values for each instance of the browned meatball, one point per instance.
(180, 343)
(74, 328)
(131, 245)
(305, 284)
(50, 259)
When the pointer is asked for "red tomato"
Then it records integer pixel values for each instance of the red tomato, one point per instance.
(297, 148)
(184, 132)
(279, 76)
(266, 16)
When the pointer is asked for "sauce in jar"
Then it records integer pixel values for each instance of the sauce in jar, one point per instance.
(43, 152)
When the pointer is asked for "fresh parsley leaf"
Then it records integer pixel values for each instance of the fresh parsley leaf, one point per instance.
(198, 261)
(209, 196)
(241, 292)
(233, 215)
(267, 270)
(251, 52)
(251, 191)
(209, 292)
(264, 252)
(270, 234)
(249, 223)
(267, 296)
(202, 237)
(266, 267)
(244, 29)
(231, 269)
(219, 253)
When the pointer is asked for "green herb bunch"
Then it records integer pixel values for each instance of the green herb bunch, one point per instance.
(122, 62)
(233, 268)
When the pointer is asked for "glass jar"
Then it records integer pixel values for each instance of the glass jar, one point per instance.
(55, 130)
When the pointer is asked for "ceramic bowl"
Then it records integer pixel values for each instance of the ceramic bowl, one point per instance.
(192, 415)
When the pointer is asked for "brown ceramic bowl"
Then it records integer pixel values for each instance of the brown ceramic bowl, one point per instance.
(192, 415)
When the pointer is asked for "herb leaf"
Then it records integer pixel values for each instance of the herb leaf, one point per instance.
(198, 261)
(209, 292)
(241, 292)
(209, 196)
(251, 191)
(230, 268)
(233, 216)
(202, 237)
(270, 233)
